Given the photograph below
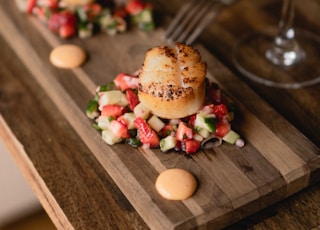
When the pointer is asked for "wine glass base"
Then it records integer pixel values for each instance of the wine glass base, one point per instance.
(304, 73)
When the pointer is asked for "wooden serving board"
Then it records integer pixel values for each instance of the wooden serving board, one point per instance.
(276, 162)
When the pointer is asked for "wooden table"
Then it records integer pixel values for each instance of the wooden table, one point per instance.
(43, 123)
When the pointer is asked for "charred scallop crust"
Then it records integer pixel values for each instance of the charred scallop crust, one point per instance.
(172, 81)
(165, 92)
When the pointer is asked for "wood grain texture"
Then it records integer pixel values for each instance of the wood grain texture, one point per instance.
(70, 183)
(84, 176)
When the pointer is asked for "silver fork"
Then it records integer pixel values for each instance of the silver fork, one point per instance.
(193, 17)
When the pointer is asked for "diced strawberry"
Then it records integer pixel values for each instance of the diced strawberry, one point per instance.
(66, 31)
(122, 119)
(178, 146)
(190, 146)
(184, 132)
(67, 24)
(112, 110)
(134, 7)
(192, 119)
(54, 22)
(53, 4)
(146, 134)
(222, 128)
(220, 110)
(132, 98)
(125, 81)
(31, 5)
(67, 17)
(40, 13)
(120, 12)
(152, 140)
(63, 23)
(92, 10)
(119, 129)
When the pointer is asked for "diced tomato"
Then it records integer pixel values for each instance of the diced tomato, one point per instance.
(146, 134)
(119, 129)
(125, 81)
(190, 146)
(31, 5)
(166, 130)
(112, 110)
(184, 132)
(220, 110)
(132, 98)
(134, 7)
(222, 128)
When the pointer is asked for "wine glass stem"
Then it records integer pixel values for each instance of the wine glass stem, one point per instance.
(285, 50)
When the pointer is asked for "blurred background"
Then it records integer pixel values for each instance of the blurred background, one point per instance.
(19, 207)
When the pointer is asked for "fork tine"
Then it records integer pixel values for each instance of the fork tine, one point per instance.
(196, 21)
(184, 18)
(202, 25)
(208, 18)
(184, 9)
(193, 17)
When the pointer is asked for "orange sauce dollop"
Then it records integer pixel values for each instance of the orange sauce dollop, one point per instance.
(176, 184)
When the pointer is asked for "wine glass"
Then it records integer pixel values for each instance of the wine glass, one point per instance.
(288, 60)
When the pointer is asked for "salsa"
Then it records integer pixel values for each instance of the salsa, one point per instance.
(120, 117)
(84, 18)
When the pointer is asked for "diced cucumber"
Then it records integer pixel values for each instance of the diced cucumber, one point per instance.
(109, 86)
(206, 121)
(231, 137)
(112, 97)
(96, 127)
(92, 109)
(123, 100)
(198, 137)
(146, 16)
(199, 121)
(168, 143)
(210, 123)
(129, 118)
(109, 137)
(104, 122)
(156, 123)
(141, 111)
(205, 133)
